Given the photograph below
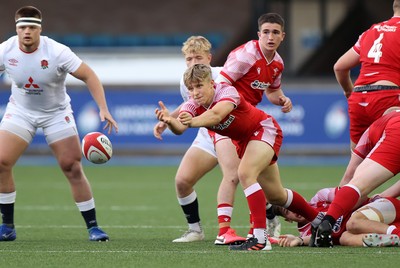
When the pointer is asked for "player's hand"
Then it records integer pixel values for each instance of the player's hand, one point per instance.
(185, 118)
(289, 241)
(110, 122)
(162, 113)
(159, 129)
(286, 104)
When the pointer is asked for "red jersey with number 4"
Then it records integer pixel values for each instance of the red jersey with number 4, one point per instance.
(379, 52)
(250, 73)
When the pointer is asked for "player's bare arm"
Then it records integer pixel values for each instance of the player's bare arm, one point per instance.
(87, 75)
(289, 240)
(342, 70)
(213, 116)
(277, 97)
(160, 127)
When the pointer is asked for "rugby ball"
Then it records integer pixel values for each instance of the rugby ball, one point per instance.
(97, 147)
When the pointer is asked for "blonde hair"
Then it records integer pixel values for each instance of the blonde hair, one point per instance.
(196, 44)
(197, 74)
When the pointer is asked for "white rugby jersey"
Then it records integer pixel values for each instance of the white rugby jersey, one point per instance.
(38, 78)
(185, 92)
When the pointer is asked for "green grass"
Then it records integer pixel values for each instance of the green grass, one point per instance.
(138, 208)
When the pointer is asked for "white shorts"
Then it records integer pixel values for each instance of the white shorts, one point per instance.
(56, 125)
(381, 210)
(204, 142)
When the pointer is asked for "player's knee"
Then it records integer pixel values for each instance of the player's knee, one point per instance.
(5, 165)
(353, 223)
(70, 165)
(183, 183)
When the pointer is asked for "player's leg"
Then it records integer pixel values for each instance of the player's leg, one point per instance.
(16, 133)
(287, 198)
(63, 139)
(68, 154)
(354, 162)
(199, 159)
(374, 217)
(228, 161)
(257, 156)
(367, 177)
(377, 222)
(350, 239)
(12, 148)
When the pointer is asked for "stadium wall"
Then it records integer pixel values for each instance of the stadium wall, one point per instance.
(318, 123)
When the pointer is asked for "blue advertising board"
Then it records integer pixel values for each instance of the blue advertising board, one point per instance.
(317, 122)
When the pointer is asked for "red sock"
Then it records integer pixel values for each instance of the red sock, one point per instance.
(396, 231)
(300, 206)
(346, 198)
(256, 201)
(224, 217)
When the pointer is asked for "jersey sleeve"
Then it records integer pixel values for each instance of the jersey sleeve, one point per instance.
(189, 107)
(323, 195)
(238, 63)
(277, 82)
(69, 61)
(357, 45)
(225, 92)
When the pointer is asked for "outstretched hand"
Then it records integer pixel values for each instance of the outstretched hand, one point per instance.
(289, 241)
(110, 122)
(162, 113)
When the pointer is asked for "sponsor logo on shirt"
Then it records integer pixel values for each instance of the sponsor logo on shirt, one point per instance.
(32, 88)
(12, 62)
(259, 85)
(385, 28)
(225, 124)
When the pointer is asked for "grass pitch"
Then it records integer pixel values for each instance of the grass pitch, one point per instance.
(137, 207)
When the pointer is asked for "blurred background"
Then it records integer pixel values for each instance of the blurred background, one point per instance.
(134, 47)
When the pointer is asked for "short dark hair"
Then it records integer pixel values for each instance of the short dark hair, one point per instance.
(271, 18)
(277, 210)
(29, 12)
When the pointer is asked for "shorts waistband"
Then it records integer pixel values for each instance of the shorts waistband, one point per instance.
(374, 88)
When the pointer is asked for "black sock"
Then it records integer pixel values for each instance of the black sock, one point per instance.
(191, 211)
(271, 213)
(90, 218)
(7, 214)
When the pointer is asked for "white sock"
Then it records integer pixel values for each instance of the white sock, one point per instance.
(195, 226)
(260, 235)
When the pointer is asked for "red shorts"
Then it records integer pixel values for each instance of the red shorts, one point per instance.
(269, 132)
(387, 151)
(365, 108)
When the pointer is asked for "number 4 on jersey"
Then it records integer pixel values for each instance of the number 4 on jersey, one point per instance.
(376, 50)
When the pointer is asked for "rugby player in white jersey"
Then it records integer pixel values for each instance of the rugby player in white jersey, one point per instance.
(37, 67)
